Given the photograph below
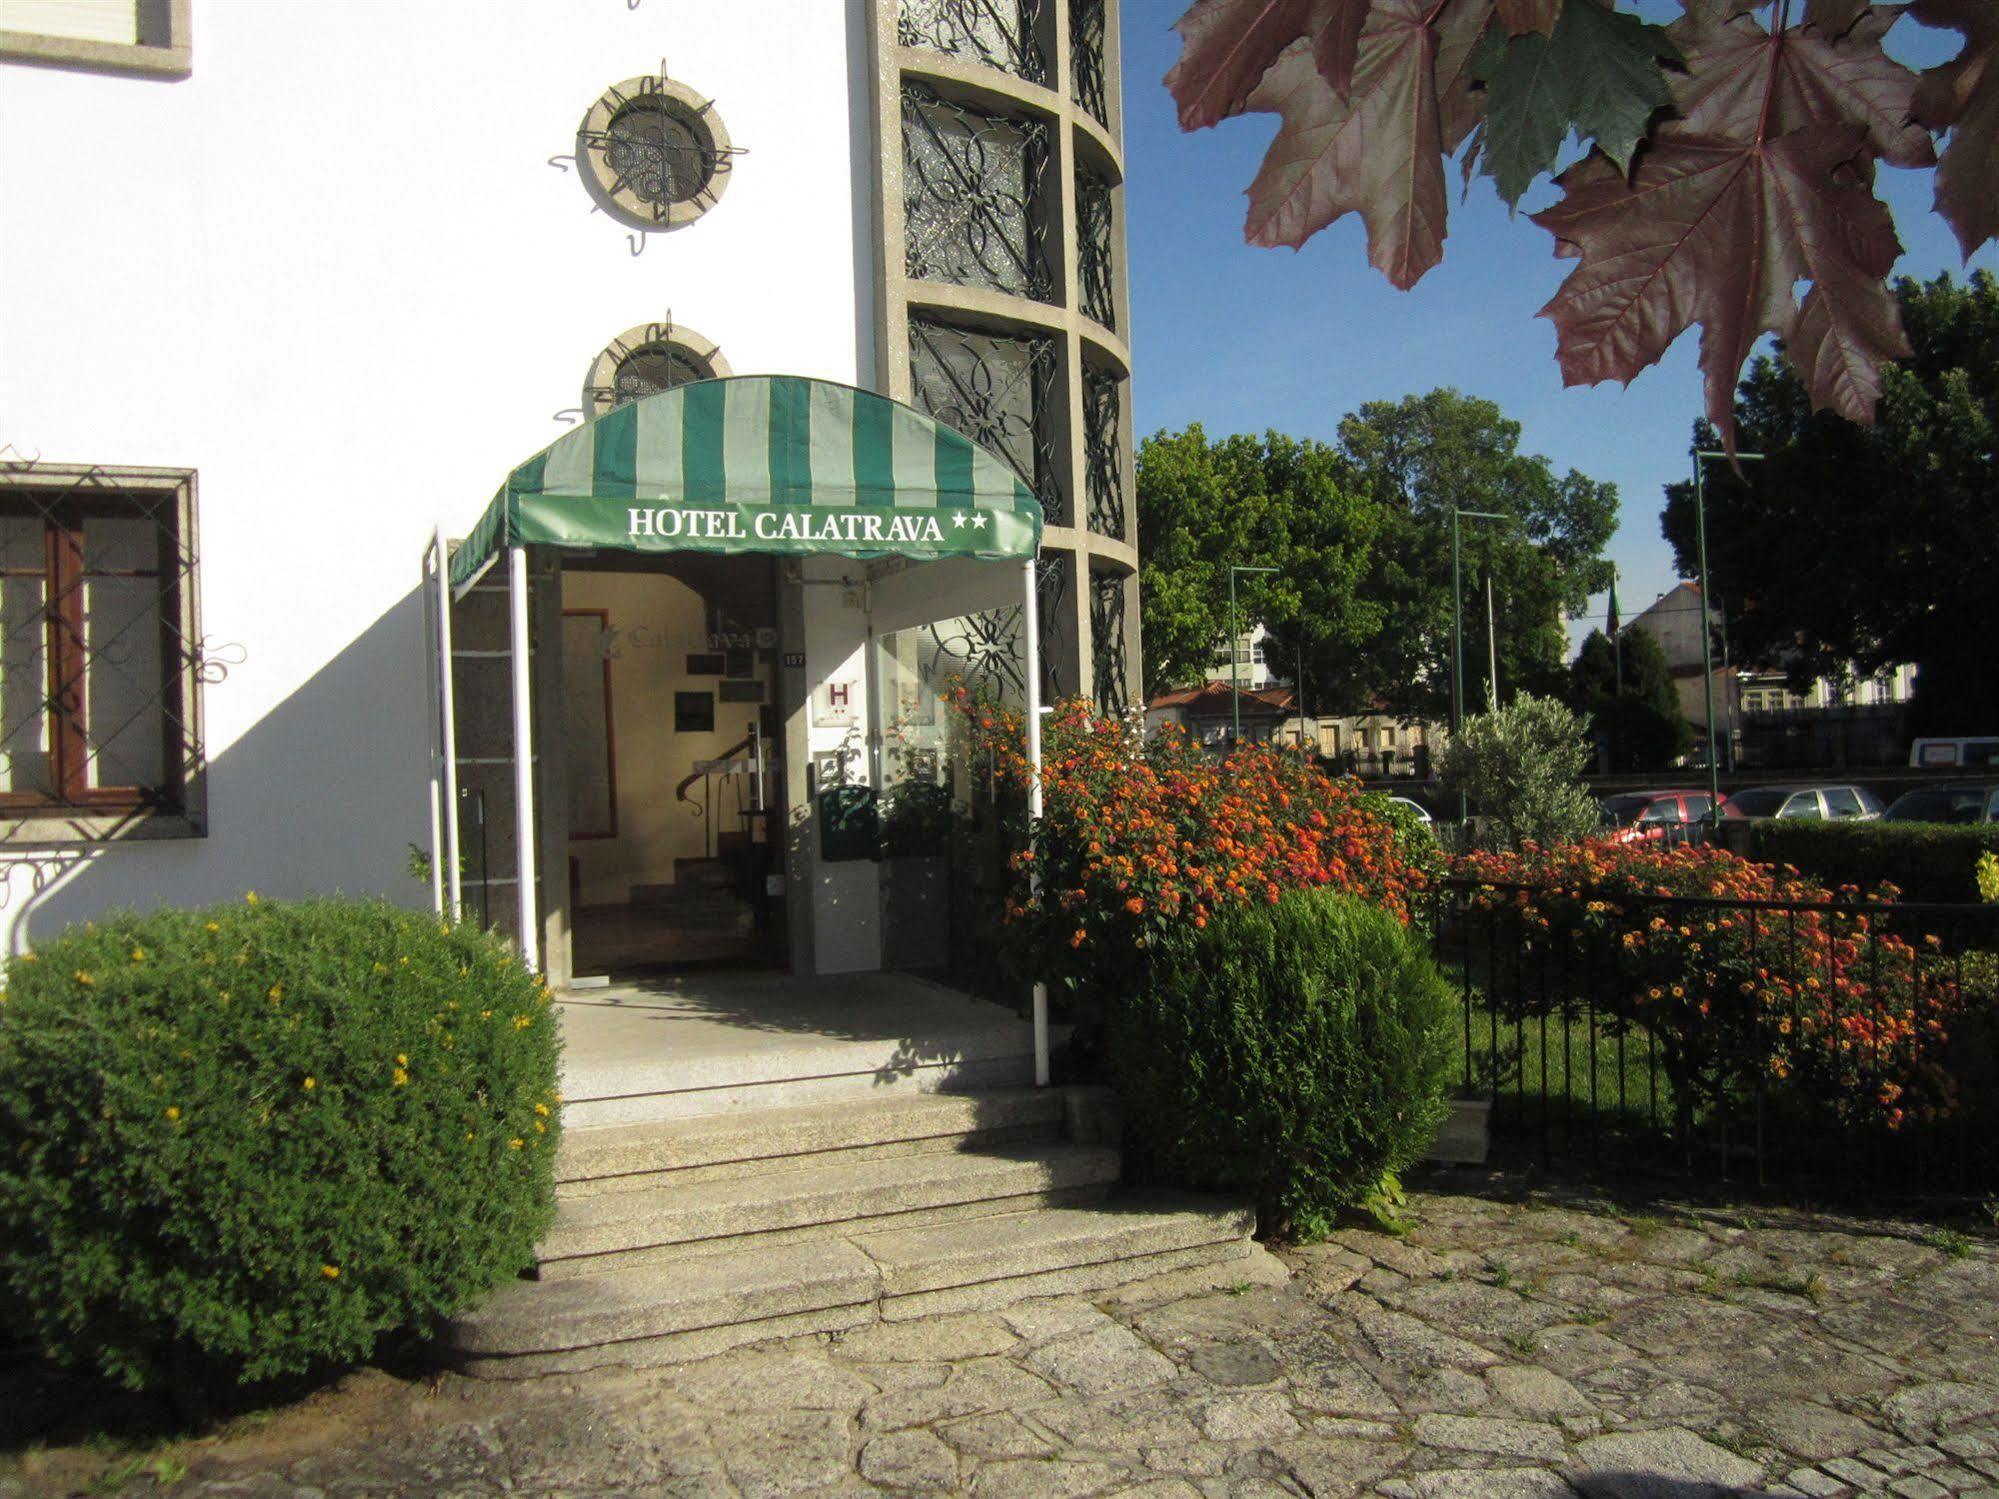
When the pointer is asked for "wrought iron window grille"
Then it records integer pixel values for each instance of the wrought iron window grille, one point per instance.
(1003, 34)
(1094, 248)
(654, 152)
(1054, 578)
(101, 656)
(1107, 645)
(999, 390)
(975, 193)
(1103, 456)
(1087, 84)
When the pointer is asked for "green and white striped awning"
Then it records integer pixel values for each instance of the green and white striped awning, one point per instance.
(762, 463)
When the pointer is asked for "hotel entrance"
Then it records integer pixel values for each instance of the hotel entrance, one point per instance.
(673, 784)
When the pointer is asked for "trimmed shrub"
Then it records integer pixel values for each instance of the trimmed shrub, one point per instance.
(250, 1141)
(1924, 861)
(1295, 1051)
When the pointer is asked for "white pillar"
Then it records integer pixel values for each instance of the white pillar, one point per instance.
(1030, 624)
(448, 708)
(433, 722)
(517, 608)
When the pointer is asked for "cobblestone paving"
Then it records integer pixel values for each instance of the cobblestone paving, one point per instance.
(1504, 1348)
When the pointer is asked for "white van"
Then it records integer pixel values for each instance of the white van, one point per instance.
(1944, 754)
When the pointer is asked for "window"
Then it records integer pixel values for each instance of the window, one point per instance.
(654, 153)
(647, 359)
(122, 36)
(1842, 801)
(1803, 806)
(99, 653)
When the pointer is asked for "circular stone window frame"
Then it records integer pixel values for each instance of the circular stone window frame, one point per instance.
(600, 388)
(695, 111)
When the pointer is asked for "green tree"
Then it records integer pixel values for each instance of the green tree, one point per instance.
(1420, 457)
(1269, 501)
(1521, 767)
(1631, 701)
(1360, 535)
(1869, 546)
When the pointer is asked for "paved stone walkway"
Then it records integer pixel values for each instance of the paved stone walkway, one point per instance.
(1503, 1348)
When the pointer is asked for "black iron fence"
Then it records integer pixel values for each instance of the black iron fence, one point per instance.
(1834, 1043)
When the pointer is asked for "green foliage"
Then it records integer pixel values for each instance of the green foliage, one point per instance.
(1361, 537)
(1295, 1051)
(250, 1141)
(1866, 548)
(1522, 768)
(1926, 861)
(1626, 689)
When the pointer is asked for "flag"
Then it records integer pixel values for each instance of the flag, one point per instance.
(1611, 618)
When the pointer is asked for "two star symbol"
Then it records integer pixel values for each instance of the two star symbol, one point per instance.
(978, 519)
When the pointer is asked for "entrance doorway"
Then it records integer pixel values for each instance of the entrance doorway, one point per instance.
(670, 752)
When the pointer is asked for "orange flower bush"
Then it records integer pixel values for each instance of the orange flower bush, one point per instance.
(1740, 974)
(1143, 835)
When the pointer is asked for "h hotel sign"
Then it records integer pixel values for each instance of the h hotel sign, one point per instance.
(836, 705)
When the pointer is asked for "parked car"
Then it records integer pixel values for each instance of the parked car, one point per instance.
(1814, 803)
(1976, 801)
(1654, 816)
(1933, 754)
(1422, 812)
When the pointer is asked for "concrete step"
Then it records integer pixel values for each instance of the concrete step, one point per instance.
(694, 1307)
(627, 1157)
(620, 1229)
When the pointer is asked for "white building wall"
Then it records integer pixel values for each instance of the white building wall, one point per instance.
(335, 273)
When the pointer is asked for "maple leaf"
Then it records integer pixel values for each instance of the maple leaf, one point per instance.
(1598, 74)
(1717, 231)
(1739, 72)
(1228, 45)
(1376, 151)
(1962, 96)
(1834, 17)
(1522, 16)
(1460, 106)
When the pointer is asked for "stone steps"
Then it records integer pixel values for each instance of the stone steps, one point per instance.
(620, 1158)
(615, 1230)
(694, 1307)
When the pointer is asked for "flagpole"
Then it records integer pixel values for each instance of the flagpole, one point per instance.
(1616, 635)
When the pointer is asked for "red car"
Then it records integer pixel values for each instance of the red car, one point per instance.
(1654, 816)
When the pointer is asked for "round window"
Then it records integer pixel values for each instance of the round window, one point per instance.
(647, 359)
(654, 153)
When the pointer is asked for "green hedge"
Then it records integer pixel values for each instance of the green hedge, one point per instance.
(1926, 861)
(250, 1141)
(1294, 1052)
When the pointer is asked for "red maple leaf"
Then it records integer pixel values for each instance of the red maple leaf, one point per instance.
(1962, 96)
(1376, 151)
(1228, 45)
(1736, 71)
(1717, 230)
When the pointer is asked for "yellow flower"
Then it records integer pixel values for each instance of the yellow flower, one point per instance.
(173, 1115)
(26, 957)
(250, 898)
(277, 991)
(516, 1143)
(404, 960)
(541, 1109)
(214, 926)
(331, 1272)
(84, 979)
(540, 1128)
(138, 955)
(309, 1085)
(522, 1022)
(399, 1077)
(402, 1060)
(485, 1014)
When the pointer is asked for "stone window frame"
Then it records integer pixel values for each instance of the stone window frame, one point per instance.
(55, 823)
(600, 387)
(626, 206)
(170, 57)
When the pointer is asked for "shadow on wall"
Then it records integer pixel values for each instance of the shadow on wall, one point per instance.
(324, 793)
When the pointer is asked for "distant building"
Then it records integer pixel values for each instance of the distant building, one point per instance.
(1370, 744)
(1209, 713)
(1760, 718)
(1249, 664)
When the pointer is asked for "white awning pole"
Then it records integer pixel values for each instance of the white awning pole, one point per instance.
(517, 601)
(433, 721)
(1031, 627)
(448, 708)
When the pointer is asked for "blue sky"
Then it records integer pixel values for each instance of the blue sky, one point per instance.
(1241, 339)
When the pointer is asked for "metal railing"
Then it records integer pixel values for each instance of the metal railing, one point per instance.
(1554, 1030)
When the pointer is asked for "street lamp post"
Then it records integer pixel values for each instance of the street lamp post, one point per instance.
(1235, 656)
(1701, 455)
(1458, 633)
